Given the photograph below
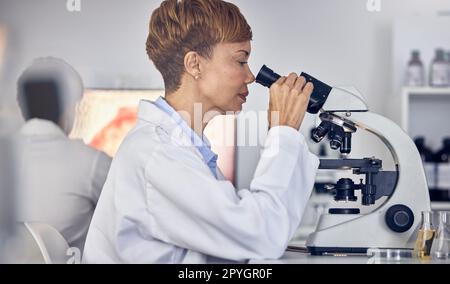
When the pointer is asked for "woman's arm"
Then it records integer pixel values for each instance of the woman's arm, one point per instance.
(193, 210)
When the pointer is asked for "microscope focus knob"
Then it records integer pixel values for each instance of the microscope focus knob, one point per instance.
(399, 218)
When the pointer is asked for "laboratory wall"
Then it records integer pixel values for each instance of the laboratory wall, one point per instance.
(341, 42)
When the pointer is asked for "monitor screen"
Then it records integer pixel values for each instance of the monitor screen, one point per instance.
(104, 117)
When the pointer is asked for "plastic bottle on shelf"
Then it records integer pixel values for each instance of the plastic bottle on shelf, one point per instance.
(439, 70)
(442, 158)
(415, 74)
(428, 160)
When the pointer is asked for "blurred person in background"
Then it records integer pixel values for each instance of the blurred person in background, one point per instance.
(61, 178)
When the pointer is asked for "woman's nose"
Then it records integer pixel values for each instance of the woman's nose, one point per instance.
(250, 78)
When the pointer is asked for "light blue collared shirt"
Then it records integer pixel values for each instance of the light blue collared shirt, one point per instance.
(203, 145)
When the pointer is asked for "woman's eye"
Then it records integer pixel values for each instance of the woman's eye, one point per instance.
(243, 62)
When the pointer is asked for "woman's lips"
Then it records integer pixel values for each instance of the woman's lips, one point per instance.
(243, 97)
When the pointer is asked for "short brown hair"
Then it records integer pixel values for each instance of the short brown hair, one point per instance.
(177, 27)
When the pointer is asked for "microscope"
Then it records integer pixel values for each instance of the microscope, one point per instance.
(403, 192)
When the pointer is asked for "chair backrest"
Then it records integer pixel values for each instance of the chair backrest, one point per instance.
(34, 243)
(52, 245)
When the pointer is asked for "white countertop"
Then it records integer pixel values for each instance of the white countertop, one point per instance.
(297, 254)
(302, 257)
(291, 257)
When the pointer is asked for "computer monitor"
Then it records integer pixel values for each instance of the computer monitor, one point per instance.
(104, 117)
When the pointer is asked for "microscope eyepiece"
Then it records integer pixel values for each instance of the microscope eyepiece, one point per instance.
(267, 77)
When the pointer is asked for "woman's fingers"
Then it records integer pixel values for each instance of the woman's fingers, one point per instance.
(291, 79)
(299, 83)
(308, 89)
(280, 80)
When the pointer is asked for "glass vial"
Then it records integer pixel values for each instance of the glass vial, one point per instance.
(415, 72)
(441, 244)
(439, 69)
(424, 241)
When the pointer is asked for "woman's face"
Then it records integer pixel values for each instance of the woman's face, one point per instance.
(224, 78)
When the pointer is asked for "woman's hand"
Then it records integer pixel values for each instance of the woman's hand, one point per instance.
(289, 97)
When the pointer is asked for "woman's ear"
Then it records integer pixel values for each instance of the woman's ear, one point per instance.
(192, 64)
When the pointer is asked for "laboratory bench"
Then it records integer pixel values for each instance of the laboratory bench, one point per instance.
(297, 253)
(296, 257)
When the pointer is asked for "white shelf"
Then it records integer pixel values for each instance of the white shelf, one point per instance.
(425, 91)
(426, 112)
(440, 206)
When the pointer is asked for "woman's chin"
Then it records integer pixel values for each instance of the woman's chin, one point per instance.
(237, 109)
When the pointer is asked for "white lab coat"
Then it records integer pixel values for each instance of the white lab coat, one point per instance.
(60, 180)
(162, 204)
